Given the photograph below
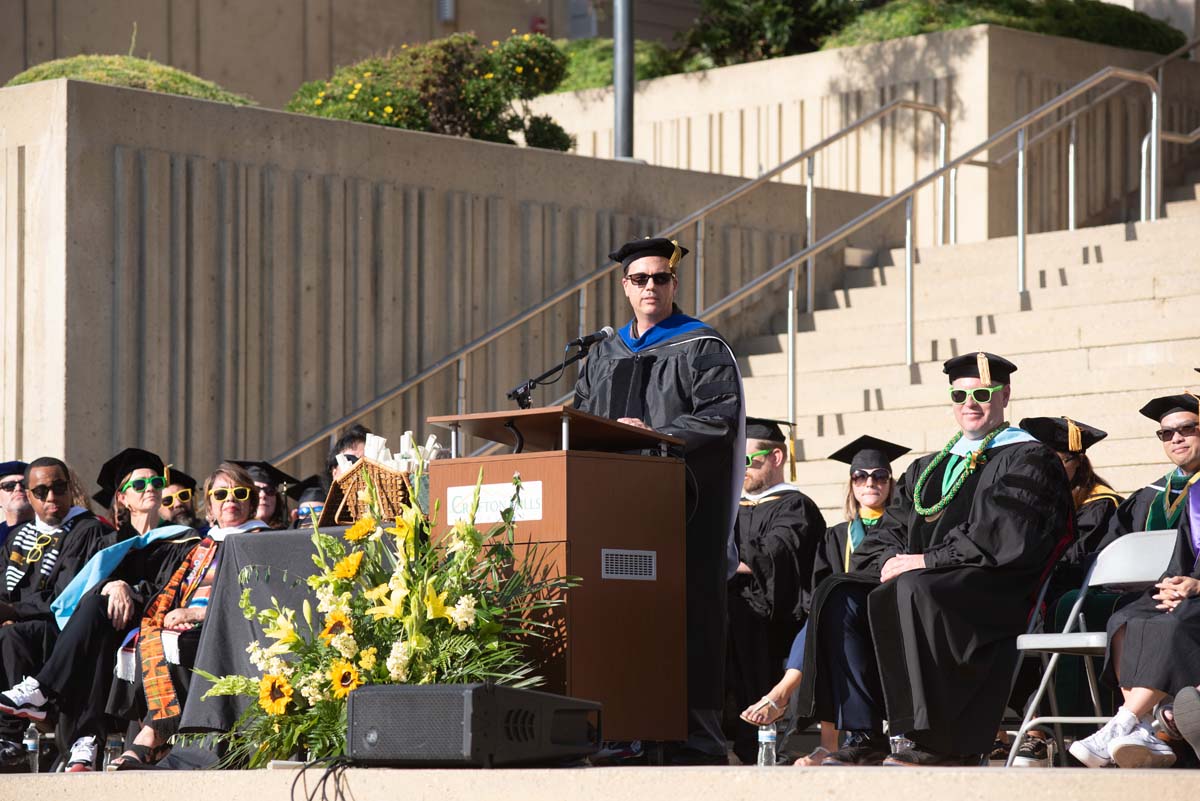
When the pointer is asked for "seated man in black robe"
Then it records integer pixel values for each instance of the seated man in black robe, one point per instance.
(923, 632)
(1154, 642)
(778, 531)
(39, 559)
(671, 373)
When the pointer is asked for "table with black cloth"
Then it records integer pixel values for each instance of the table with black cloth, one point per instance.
(282, 560)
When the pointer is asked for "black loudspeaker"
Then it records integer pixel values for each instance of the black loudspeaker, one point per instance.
(467, 725)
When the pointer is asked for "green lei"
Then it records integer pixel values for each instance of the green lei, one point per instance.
(964, 471)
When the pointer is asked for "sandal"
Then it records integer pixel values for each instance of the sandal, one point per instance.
(1164, 715)
(812, 759)
(779, 711)
(140, 757)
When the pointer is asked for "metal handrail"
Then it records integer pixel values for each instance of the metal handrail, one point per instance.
(1072, 120)
(581, 285)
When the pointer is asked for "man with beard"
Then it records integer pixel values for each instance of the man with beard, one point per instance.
(671, 373)
(14, 501)
(778, 531)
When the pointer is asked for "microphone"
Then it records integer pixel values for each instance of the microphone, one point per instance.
(591, 339)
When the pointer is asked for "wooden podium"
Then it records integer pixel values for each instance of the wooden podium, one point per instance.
(613, 518)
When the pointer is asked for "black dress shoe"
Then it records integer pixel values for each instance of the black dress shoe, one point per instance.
(917, 757)
(859, 748)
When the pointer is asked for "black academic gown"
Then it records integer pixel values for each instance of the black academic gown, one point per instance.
(1161, 650)
(689, 387)
(1132, 512)
(830, 558)
(945, 636)
(1092, 521)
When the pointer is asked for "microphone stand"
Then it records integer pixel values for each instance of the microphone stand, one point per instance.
(522, 394)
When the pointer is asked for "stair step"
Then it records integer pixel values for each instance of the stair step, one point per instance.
(859, 257)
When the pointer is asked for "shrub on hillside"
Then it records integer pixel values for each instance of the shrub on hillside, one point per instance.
(1089, 20)
(128, 71)
(453, 86)
(590, 62)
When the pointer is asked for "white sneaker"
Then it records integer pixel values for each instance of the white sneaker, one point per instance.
(25, 700)
(1141, 749)
(83, 755)
(1093, 751)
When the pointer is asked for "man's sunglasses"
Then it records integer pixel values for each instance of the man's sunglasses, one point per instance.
(143, 484)
(1168, 434)
(979, 394)
(750, 457)
(879, 476)
(223, 493)
(640, 279)
(9, 486)
(181, 497)
(42, 491)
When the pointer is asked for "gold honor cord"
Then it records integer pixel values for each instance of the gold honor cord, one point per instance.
(1170, 508)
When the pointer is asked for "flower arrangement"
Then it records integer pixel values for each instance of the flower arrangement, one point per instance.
(394, 605)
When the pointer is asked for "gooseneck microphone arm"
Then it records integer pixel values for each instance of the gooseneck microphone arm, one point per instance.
(522, 394)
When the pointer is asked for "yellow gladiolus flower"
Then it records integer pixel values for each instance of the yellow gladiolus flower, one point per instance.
(274, 694)
(435, 603)
(362, 528)
(392, 606)
(348, 567)
(335, 623)
(344, 677)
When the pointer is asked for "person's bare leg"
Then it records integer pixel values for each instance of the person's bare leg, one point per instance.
(1141, 700)
(760, 713)
(829, 736)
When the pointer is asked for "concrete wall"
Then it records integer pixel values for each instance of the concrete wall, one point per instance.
(743, 119)
(210, 281)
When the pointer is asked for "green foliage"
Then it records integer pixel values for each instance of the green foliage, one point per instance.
(452, 86)
(736, 31)
(590, 62)
(542, 131)
(1089, 20)
(134, 73)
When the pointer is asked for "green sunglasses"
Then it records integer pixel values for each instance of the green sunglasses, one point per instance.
(750, 457)
(979, 394)
(142, 484)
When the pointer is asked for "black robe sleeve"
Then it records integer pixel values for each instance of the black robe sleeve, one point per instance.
(780, 552)
(716, 399)
(1130, 515)
(829, 557)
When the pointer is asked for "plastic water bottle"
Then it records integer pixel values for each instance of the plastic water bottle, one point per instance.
(30, 742)
(766, 745)
(114, 746)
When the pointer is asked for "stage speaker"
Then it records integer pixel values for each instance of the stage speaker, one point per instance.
(467, 725)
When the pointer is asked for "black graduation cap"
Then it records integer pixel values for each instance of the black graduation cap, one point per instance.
(181, 478)
(987, 367)
(640, 248)
(869, 453)
(1159, 408)
(766, 429)
(1062, 433)
(266, 472)
(307, 491)
(120, 466)
(12, 468)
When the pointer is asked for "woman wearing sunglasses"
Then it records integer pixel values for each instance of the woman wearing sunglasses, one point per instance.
(230, 499)
(867, 494)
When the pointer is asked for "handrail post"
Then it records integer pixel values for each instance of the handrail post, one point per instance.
(1144, 177)
(1021, 211)
(954, 205)
(1071, 156)
(908, 281)
(790, 349)
(583, 326)
(461, 382)
(1156, 170)
(941, 184)
(699, 264)
(810, 235)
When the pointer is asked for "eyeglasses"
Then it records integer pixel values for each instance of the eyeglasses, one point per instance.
(640, 279)
(267, 490)
(9, 486)
(42, 491)
(181, 497)
(1168, 434)
(39, 545)
(313, 509)
(879, 476)
(143, 484)
(750, 457)
(221, 494)
(979, 394)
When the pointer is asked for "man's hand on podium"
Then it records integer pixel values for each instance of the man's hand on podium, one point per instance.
(633, 421)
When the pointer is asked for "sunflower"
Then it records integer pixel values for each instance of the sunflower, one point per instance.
(344, 676)
(348, 567)
(274, 694)
(363, 527)
(335, 623)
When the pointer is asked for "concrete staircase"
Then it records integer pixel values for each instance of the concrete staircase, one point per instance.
(1112, 319)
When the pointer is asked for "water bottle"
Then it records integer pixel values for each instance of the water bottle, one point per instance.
(766, 745)
(114, 746)
(30, 742)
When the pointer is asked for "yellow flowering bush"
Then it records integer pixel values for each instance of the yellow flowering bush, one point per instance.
(456, 86)
(390, 604)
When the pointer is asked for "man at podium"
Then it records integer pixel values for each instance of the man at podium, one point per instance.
(673, 374)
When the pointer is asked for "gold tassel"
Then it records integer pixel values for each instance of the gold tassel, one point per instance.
(792, 457)
(676, 255)
(1074, 436)
(167, 476)
(985, 372)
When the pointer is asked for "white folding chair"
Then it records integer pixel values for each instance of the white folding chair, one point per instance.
(1130, 563)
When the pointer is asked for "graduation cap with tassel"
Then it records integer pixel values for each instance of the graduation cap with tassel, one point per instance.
(770, 430)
